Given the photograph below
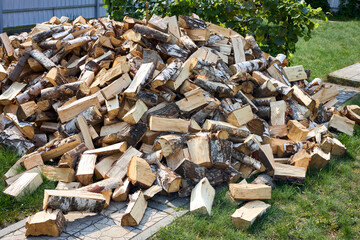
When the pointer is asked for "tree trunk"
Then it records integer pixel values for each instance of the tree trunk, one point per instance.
(41, 58)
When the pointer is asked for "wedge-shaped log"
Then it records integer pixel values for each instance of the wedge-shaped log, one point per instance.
(120, 167)
(134, 115)
(334, 146)
(32, 160)
(7, 96)
(342, 124)
(27, 183)
(166, 74)
(169, 181)
(245, 216)
(278, 112)
(152, 33)
(135, 210)
(286, 172)
(105, 164)
(145, 71)
(301, 159)
(58, 147)
(319, 159)
(303, 98)
(241, 116)
(86, 167)
(199, 149)
(250, 191)
(132, 134)
(121, 193)
(73, 200)
(140, 173)
(202, 197)
(175, 159)
(152, 191)
(171, 143)
(58, 174)
(297, 132)
(85, 132)
(116, 87)
(49, 223)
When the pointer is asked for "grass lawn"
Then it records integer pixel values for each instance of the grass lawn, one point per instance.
(327, 206)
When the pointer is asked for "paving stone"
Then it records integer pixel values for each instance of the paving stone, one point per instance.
(151, 217)
(347, 76)
(114, 207)
(179, 202)
(80, 222)
(163, 199)
(106, 228)
(161, 207)
(116, 217)
(20, 234)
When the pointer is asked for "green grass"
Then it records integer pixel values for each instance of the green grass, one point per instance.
(12, 210)
(334, 45)
(327, 206)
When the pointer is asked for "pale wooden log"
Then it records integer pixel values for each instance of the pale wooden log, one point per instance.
(247, 67)
(289, 173)
(86, 167)
(191, 23)
(134, 115)
(41, 58)
(7, 45)
(70, 158)
(32, 160)
(144, 72)
(163, 124)
(116, 87)
(246, 159)
(152, 191)
(105, 164)
(278, 131)
(50, 44)
(188, 43)
(319, 159)
(185, 69)
(77, 42)
(119, 168)
(73, 200)
(201, 35)
(278, 112)
(158, 23)
(168, 180)
(172, 50)
(102, 186)
(58, 147)
(68, 112)
(212, 87)
(174, 160)
(352, 112)
(337, 149)
(58, 174)
(140, 173)
(171, 143)
(300, 159)
(170, 72)
(250, 145)
(303, 98)
(295, 73)
(135, 210)
(241, 116)
(108, 150)
(238, 48)
(153, 157)
(266, 157)
(9, 95)
(193, 99)
(342, 124)
(202, 115)
(152, 33)
(62, 92)
(199, 150)
(67, 186)
(49, 223)
(27, 109)
(121, 193)
(215, 126)
(113, 107)
(297, 131)
(12, 174)
(250, 191)
(244, 217)
(27, 183)
(202, 197)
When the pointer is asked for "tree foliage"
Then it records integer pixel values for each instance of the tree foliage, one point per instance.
(276, 24)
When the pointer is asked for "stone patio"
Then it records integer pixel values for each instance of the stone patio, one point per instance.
(160, 212)
(347, 76)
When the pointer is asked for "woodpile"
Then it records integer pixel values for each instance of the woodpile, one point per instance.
(125, 110)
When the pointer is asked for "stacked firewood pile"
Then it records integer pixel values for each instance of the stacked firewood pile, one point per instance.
(125, 110)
